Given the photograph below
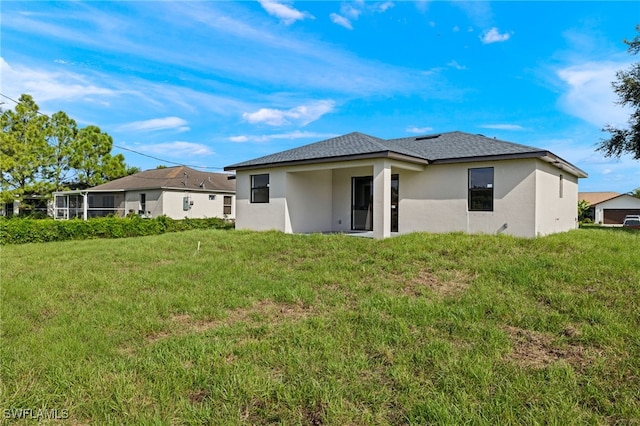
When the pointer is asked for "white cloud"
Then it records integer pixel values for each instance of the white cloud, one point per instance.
(383, 7)
(177, 149)
(311, 64)
(239, 139)
(414, 129)
(287, 14)
(351, 11)
(502, 126)
(166, 123)
(341, 20)
(493, 36)
(589, 95)
(297, 134)
(48, 85)
(456, 65)
(300, 115)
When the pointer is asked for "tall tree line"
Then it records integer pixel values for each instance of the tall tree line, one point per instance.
(41, 154)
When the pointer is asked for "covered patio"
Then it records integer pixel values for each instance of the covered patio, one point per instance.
(359, 197)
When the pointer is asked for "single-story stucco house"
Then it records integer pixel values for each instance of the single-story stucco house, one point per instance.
(610, 208)
(444, 182)
(177, 192)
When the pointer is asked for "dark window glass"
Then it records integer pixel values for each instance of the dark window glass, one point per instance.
(227, 204)
(481, 189)
(260, 188)
(143, 203)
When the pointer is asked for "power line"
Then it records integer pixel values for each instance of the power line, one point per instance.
(167, 161)
(131, 150)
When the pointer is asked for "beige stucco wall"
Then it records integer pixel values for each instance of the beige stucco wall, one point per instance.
(172, 205)
(436, 200)
(309, 210)
(262, 216)
(555, 213)
(433, 198)
(153, 202)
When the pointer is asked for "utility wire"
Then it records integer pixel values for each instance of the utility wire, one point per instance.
(131, 150)
(167, 161)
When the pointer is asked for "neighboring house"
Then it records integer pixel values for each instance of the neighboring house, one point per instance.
(610, 208)
(177, 192)
(29, 205)
(438, 183)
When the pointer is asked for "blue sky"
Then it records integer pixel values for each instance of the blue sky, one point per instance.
(214, 83)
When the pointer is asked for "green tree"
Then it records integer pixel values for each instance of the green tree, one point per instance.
(63, 131)
(133, 170)
(24, 150)
(583, 210)
(635, 193)
(92, 159)
(627, 87)
(40, 154)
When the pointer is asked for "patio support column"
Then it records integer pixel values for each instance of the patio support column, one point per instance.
(84, 205)
(382, 199)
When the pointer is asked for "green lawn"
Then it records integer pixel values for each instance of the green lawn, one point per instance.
(257, 328)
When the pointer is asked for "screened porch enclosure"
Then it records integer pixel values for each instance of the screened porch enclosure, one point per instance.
(83, 205)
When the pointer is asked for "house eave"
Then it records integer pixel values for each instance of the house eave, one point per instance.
(562, 164)
(542, 155)
(370, 155)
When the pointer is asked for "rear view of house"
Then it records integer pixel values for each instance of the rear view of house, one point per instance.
(177, 192)
(436, 183)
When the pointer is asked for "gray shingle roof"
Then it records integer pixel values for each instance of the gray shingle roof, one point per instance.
(346, 145)
(453, 145)
(443, 147)
(180, 177)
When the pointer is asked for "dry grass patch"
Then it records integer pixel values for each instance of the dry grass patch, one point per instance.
(264, 311)
(452, 283)
(198, 395)
(533, 349)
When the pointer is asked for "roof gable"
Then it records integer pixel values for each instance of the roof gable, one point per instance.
(180, 177)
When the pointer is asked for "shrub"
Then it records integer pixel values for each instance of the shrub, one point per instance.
(18, 230)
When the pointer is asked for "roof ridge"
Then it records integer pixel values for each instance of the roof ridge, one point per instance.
(376, 141)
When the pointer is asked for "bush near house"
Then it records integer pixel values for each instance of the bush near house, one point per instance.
(22, 230)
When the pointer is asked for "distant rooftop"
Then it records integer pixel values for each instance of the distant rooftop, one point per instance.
(597, 197)
(180, 177)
